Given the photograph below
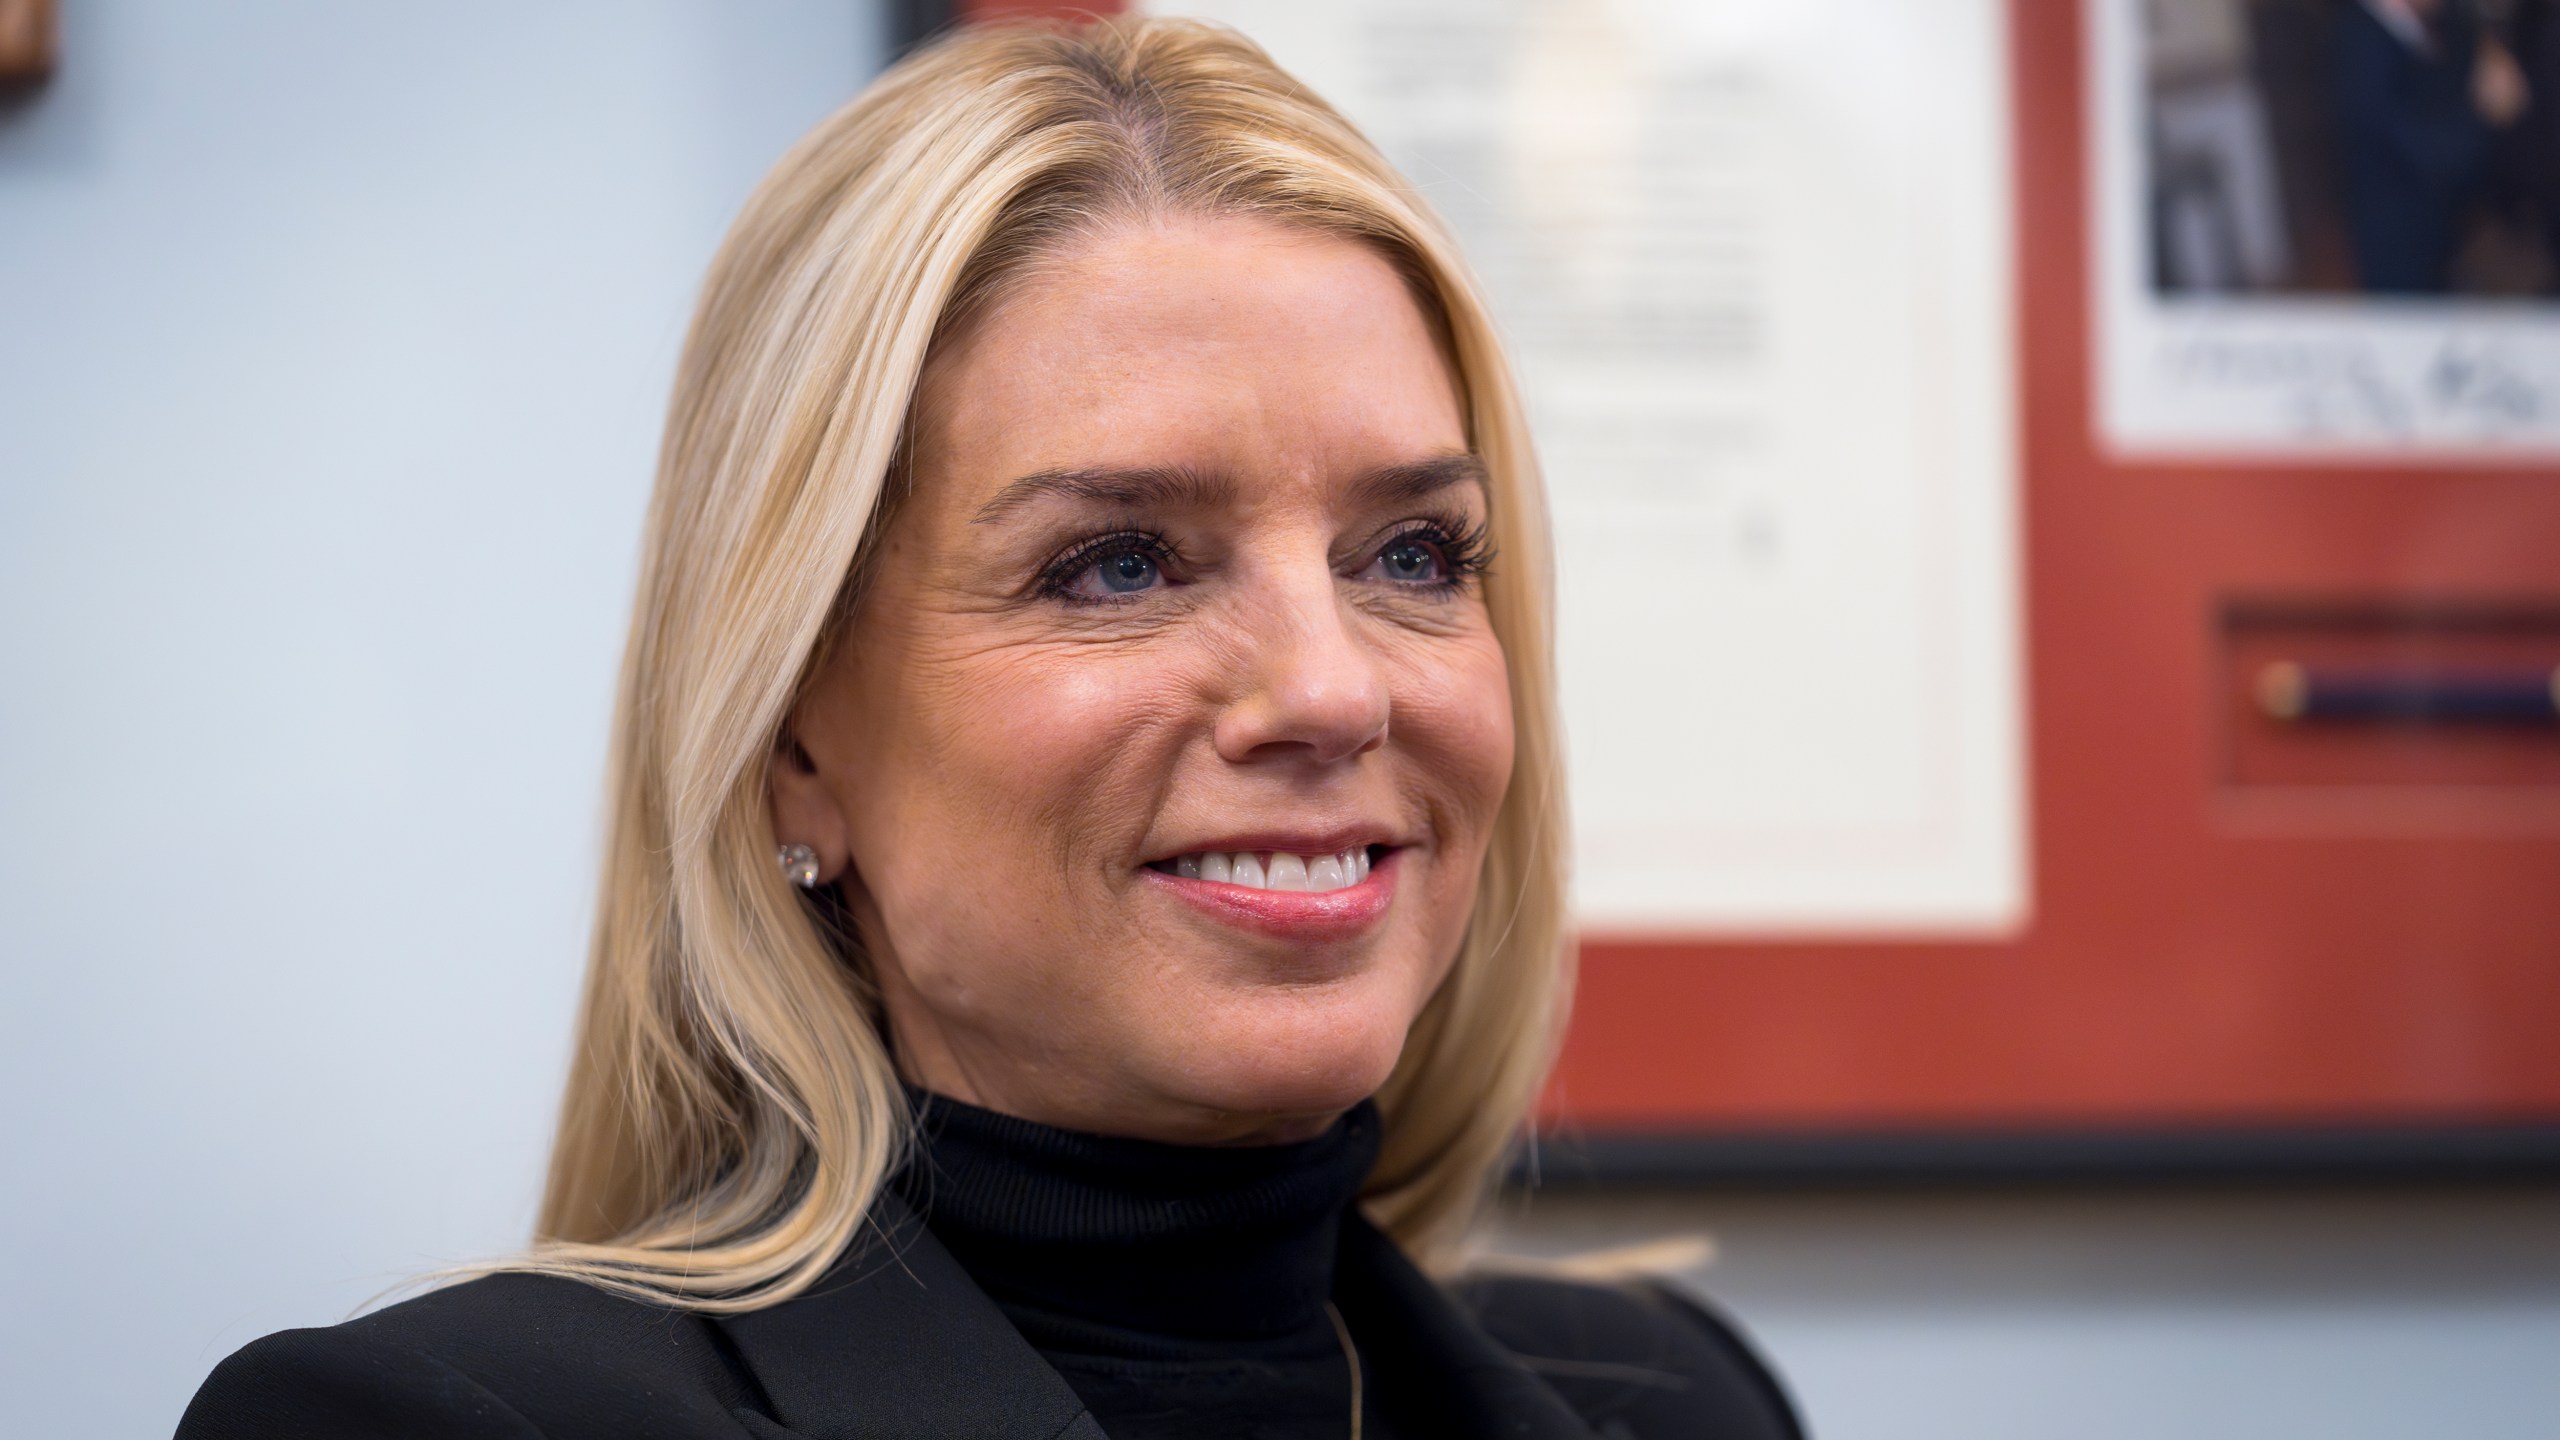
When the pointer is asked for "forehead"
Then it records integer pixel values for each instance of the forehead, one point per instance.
(1224, 344)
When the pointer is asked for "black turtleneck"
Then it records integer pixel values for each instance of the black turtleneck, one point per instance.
(1180, 1290)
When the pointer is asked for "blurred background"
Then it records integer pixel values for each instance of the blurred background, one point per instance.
(2078, 926)
(2275, 125)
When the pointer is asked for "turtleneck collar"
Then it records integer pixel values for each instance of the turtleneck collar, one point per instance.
(1091, 1242)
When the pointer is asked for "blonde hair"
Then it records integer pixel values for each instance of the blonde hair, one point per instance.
(732, 1109)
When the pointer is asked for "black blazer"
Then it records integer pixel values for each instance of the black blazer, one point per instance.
(2414, 153)
(896, 1343)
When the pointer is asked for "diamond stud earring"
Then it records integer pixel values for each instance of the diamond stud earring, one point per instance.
(799, 865)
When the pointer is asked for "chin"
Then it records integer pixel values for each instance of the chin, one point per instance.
(1293, 1059)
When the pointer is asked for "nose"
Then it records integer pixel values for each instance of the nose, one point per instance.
(1310, 687)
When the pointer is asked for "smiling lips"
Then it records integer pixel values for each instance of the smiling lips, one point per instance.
(1306, 898)
(1275, 869)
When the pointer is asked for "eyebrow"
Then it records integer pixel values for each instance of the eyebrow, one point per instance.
(1421, 479)
(1147, 486)
(1181, 486)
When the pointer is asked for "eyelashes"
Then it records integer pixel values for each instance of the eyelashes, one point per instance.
(1465, 549)
(1058, 577)
(1125, 564)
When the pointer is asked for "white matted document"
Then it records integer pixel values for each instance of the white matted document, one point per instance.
(1753, 264)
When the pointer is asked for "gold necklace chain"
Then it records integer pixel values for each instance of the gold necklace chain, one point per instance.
(1350, 1357)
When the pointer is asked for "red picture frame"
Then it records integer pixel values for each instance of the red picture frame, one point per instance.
(2218, 973)
(2220, 976)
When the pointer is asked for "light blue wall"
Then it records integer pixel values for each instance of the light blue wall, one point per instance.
(334, 340)
(2127, 1315)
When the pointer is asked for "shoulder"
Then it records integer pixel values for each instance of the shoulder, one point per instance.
(507, 1357)
(1638, 1358)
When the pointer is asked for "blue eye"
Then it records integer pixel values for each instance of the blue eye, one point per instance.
(1431, 558)
(1410, 561)
(1125, 572)
(1113, 567)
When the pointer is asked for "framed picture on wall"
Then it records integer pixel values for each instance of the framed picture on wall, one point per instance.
(1929, 819)
(27, 40)
(2326, 228)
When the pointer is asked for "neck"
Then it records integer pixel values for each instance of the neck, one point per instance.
(933, 1060)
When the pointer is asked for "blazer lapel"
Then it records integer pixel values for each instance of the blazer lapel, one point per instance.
(1428, 1359)
(897, 1343)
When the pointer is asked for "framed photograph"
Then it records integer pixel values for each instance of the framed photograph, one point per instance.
(27, 40)
(2326, 228)
(2293, 815)
(1932, 817)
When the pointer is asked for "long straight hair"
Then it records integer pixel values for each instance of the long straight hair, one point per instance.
(732, 1109)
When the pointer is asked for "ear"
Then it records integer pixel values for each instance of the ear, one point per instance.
(805, 809)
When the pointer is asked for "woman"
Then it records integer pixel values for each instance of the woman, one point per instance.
(1083, 901)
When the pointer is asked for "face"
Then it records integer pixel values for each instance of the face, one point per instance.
(1160, 758)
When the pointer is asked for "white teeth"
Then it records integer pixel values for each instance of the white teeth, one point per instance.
(1277, 871)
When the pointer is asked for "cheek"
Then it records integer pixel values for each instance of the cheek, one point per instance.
(1455, 713)
(998, 782)
(1020, 769)
(1063, 741)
